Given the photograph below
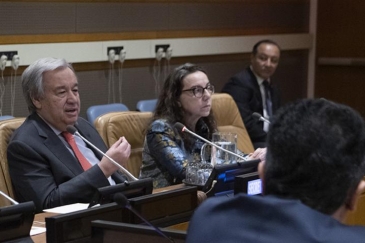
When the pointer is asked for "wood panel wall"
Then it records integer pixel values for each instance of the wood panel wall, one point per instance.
(341, 34)
(79, 21)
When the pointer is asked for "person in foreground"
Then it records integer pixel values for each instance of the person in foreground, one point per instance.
(185, 98)
(312, 177)
(254, 91)
(43, 166)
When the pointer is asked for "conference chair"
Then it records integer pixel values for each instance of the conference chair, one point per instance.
(7, 128)
(5, 117)
(229, 119)
(94, 111)
(132, 126)
(146, 105)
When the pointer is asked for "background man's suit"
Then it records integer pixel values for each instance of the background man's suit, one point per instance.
(44, 171)
(244, 89)
(268, 219)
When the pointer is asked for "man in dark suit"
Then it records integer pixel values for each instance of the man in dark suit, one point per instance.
(312, 177)
(43, 164)
(253, 90)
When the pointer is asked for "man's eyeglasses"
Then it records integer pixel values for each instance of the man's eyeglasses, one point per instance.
(199, 91)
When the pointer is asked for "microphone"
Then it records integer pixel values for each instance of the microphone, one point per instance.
(121, 200)
(9, 198)
(183, 128)
(73, 130)
(260, 118)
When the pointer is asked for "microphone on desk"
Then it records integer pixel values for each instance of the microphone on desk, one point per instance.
(260, 118)
(9, 198)
(73, 130)
(121, 200)
(183, 128)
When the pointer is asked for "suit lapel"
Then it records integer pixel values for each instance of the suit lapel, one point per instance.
(56, 146)
(257, 90)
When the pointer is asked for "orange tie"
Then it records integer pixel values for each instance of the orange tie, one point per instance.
(71, 141)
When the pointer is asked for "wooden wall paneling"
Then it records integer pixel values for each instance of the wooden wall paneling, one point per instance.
(94, 21)
(129, 20)
(36, 18)
(291, 75)
(357, 217)
(340, 34)
(175, 1)
(342, 84)
(340, 28)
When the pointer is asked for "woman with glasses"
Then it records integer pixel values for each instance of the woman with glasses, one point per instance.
(185, 98)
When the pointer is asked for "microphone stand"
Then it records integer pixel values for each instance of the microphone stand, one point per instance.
(9, 198)
(261, 118)
(128, 206)
(121, 199)
(213, 144)
(125, 171)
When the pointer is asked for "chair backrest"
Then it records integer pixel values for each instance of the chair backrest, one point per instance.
(5, 117)
(146, 105)
(229, 119)
(132, 126)
(7, 128)
(97, 110)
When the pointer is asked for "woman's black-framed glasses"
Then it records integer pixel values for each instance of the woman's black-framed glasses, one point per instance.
(198, 91)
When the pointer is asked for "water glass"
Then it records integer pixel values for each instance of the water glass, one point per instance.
(197, 173)
(204, 172)
(227, 141)
(192, 173)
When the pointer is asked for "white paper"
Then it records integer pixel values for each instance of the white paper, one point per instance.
(37, 230)
(68, 208)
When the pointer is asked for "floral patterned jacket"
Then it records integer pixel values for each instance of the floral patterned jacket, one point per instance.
(165, 156)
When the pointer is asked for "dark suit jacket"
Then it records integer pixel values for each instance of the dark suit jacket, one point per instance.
(257, 219)
(44, 171)
(244, 89)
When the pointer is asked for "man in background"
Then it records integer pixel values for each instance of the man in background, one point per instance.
(47, 164)
(312, 177)
(253, 89)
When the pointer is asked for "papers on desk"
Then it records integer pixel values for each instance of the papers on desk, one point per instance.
(37, 230)
(68, 208)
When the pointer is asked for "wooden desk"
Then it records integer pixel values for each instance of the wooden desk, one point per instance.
(182, 226)
(39, 219)
(357, 217)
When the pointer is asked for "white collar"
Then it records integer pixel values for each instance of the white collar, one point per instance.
(258, 78)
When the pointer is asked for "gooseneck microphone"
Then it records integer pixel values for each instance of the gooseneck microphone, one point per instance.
(121, 200)
(9, 198)
(183, 128)
(73, 130)
(260, 118)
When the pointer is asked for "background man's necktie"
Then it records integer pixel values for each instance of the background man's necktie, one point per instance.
(268, 97)
(71, 141)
